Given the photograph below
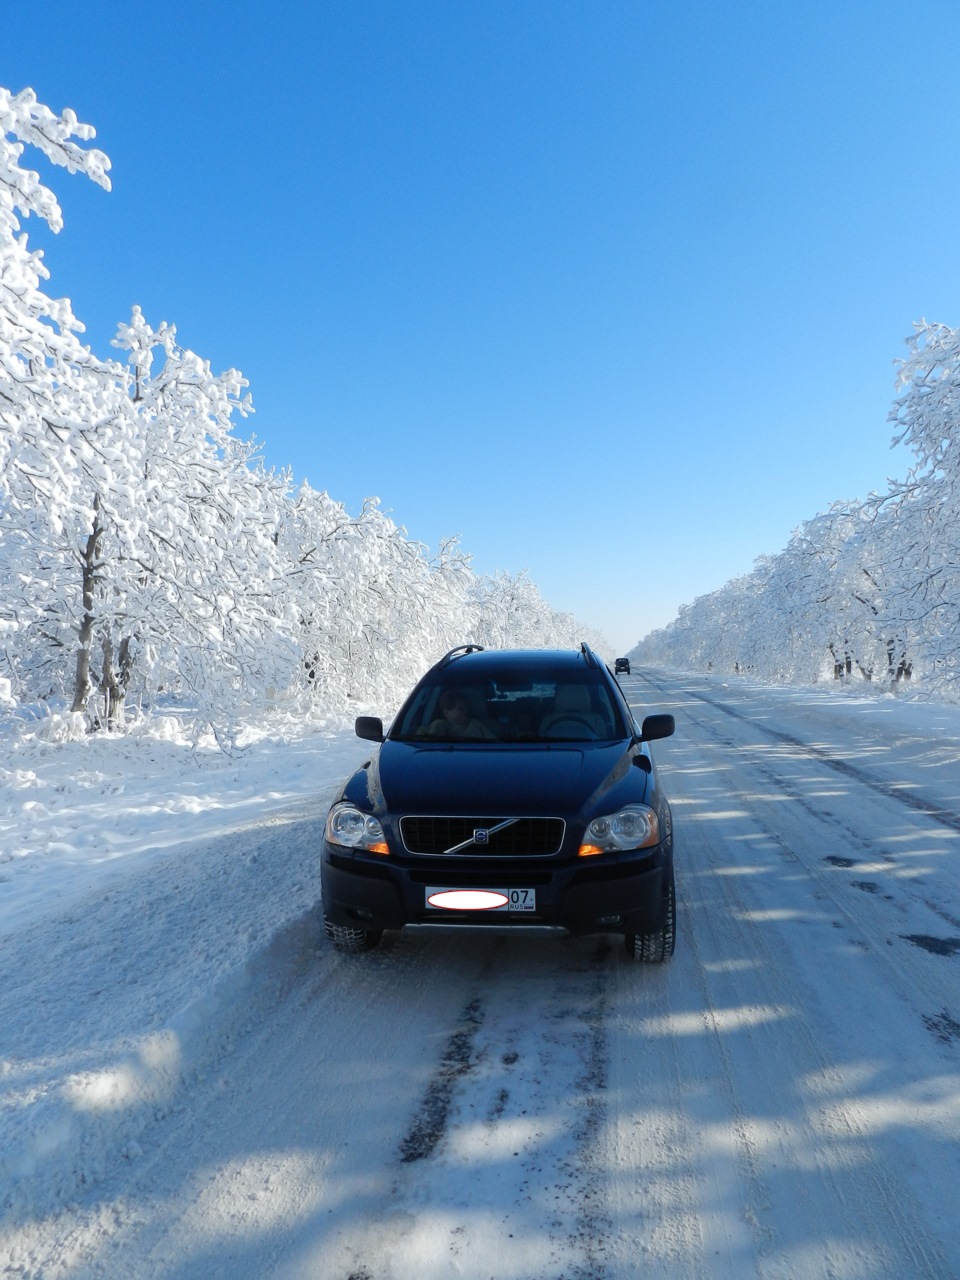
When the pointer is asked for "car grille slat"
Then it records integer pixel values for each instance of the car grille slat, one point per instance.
(518, 838)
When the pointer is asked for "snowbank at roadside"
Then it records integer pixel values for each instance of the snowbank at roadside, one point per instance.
(152, 896)
(74, 810)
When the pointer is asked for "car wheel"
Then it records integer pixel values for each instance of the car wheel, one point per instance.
(350, 940)
(654, 948)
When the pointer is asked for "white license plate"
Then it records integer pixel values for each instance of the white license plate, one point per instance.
(511, 900)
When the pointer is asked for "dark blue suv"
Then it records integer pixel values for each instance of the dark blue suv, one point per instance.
(514, 787)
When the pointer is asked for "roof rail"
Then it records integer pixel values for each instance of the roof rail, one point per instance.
(458, 653)
(590, 657)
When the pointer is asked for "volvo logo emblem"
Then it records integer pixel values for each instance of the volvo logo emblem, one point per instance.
(481, 835)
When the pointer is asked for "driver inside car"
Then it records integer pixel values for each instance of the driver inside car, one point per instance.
(455, 720)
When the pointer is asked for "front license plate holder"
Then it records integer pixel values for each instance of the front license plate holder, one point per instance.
(515, 901)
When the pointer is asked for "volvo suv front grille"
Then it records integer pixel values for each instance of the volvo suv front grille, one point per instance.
(502, 837)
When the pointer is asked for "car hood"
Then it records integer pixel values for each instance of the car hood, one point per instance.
(490, 781)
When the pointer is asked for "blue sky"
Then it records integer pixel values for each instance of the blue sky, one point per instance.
(613, 290)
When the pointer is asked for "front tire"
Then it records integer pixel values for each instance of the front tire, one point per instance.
(351, 941)
(656, 947)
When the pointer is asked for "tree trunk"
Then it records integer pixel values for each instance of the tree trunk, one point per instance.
(899, 666)
(114, 682)
(110, 686)
(841, 668)
(89, 563)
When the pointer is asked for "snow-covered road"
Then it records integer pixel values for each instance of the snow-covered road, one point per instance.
(195, 1086)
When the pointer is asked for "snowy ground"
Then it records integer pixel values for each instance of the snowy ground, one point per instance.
(194, 1085)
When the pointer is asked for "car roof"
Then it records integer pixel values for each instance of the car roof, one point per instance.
(518, 659)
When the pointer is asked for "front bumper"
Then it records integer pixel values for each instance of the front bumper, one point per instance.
(616, 894)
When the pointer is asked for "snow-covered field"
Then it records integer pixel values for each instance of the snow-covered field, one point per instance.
(194, 1085)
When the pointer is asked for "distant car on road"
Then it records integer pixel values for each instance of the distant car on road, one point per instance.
(514, 787)
(622, 664)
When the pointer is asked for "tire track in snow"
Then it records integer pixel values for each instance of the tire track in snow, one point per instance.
(781, 1052)
(908, 890)
(857, 1192)
(501, 1171)
(430, 1122)
(902, 974)
(256, 1134)
(945, 817)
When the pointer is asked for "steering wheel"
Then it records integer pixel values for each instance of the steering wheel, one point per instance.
(563, 721)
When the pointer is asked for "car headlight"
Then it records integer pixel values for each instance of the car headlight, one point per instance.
(348, 825)
(635, 827)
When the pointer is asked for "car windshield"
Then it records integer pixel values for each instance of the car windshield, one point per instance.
(545, 706)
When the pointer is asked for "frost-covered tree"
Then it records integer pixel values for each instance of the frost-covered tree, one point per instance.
(826, 593)
(204, 583)
(373, 606)
(145, 548)
(815, 610)
(511, 613)
(133, 526)
(869, 590)
(61, 411)
(924, 597)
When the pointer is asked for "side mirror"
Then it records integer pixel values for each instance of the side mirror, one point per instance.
(369, 727)
(657, 727)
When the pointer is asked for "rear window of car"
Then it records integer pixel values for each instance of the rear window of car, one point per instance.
(544, 706)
